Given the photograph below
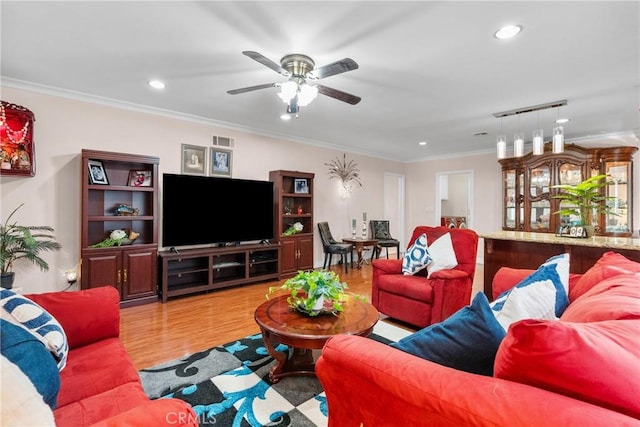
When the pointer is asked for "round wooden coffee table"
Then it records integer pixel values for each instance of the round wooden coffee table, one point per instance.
(280, 324)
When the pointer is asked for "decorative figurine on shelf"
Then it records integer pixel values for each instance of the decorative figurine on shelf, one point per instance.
(126, 210)
(117, 238)
(299, 209)
(294, 229)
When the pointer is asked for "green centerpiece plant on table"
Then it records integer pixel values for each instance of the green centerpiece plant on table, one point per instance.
(314, 292)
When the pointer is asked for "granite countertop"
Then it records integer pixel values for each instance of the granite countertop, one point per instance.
(596, 241)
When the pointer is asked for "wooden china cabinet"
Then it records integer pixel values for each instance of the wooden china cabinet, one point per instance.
(293, 202)
(528, 202)
(130, 268)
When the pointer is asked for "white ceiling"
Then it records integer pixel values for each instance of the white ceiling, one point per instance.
(427, 70)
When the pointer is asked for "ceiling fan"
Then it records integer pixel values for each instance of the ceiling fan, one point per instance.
(296, 92)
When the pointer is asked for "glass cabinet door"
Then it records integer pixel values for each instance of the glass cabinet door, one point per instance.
(540, 206)
(619, 187)
(510, 198)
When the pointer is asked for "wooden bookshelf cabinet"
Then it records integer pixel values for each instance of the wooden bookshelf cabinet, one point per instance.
(132, 269)
(188, 271)
(293, 203)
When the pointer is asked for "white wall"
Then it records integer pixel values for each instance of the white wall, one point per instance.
(64, 127)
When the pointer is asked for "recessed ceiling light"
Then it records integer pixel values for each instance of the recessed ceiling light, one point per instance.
(423, 143)
(286, 116)
(156, 84)
(507, 31)
(560, 121)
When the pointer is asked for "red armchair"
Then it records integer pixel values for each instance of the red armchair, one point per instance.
(420, 301)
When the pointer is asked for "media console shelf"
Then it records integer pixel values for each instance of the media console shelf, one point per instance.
(195, 270)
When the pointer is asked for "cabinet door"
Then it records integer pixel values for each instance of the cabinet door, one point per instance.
(139, 273)
(288, 260)
(103, 268)
(618, 221)
(305, 253)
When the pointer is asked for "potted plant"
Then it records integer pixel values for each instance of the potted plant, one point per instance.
(583, 199)
(314, 292)
(23, 241)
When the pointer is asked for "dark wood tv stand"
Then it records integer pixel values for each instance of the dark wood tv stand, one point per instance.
(188, 271)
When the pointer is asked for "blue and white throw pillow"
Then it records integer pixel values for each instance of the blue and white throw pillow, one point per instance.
(542, 295)
(23, 312)
(417, 257)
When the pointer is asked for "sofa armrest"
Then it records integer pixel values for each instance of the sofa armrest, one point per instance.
(409, 390)
(160, 412)
(449, 274)
(86, 316)
(387, 266)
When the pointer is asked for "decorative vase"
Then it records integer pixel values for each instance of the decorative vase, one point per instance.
(6, 279)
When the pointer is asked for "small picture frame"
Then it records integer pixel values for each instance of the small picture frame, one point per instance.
(97, 175)
(221, 162)
(300, 186)
(140, 179)
(193, 160)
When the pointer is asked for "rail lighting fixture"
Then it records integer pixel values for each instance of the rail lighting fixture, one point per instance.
(538, 134)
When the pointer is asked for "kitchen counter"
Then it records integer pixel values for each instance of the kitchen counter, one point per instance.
(519, 249)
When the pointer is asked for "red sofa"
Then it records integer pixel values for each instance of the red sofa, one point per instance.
(99, 385)
(417, 300)
(581, 370)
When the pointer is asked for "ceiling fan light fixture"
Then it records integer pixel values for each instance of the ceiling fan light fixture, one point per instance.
(306, 94)
(288, 90)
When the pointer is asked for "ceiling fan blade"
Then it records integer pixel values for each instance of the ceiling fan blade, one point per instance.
(342, 66)
(339, 95)
(266, 62)
(251, 88)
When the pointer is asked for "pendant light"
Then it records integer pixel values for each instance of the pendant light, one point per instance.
(558, 137)
(538, 138)
(502, 143)
(518, 141)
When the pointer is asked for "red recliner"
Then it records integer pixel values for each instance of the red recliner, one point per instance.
(417, 300)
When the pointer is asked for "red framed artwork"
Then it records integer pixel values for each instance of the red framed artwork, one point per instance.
(17, 151)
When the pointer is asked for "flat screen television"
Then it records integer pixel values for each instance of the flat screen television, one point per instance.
(199, 210)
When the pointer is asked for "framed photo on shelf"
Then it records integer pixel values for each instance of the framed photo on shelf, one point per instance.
(193, 159)
(221, 161)
(97, 175)
(140, 179)
(300, 186)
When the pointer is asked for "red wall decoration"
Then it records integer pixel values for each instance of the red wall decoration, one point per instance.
(17, 151)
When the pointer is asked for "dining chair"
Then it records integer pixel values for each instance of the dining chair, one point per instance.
(380, 231)
(333, 247)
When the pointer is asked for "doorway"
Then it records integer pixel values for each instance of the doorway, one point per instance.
(394, 207)
(454, 199)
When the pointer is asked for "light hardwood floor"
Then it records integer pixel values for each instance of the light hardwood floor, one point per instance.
(155, 333)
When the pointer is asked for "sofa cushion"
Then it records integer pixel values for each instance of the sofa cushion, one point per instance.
(617, 297)
(94, 369)
(442, 253)
(609, 265)
(20, 399)
(27, 352)
(23, 312)
(595, 362)
(107, 404)
(467, 340)
(541, 295)
(417, 256)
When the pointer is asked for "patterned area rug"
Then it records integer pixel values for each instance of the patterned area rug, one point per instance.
(229, 385)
